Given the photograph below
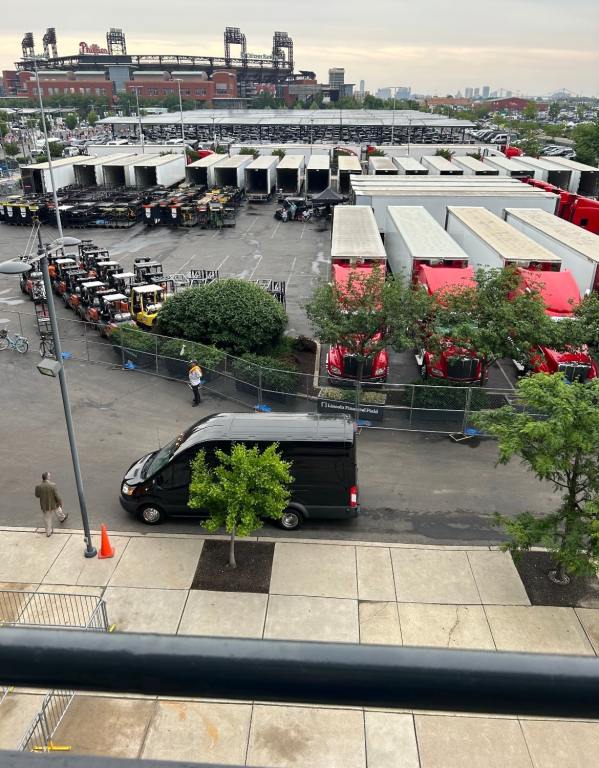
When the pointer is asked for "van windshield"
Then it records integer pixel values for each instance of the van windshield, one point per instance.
(162, 457)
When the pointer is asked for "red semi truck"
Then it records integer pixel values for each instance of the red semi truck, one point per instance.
(580, 210)
(452, 362)
(560, 295)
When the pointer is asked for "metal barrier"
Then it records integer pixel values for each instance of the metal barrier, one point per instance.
(51, 611)
(409, 406)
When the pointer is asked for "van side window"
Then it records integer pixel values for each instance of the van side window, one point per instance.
(176, 474)
(316, 463)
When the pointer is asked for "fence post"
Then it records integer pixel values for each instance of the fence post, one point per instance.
(358, 393)
(86, 341)
(156, 353)
(466, 409)
(412, 404)
(260, 385)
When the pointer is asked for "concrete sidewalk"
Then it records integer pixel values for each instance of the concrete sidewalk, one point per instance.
(331, 591)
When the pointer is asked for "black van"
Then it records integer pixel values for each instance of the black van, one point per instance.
(322, 450)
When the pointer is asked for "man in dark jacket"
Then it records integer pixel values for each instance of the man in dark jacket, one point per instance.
(50, 502)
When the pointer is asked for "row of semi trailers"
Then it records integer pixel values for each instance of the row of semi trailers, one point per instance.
(553, 256)
(260, 177)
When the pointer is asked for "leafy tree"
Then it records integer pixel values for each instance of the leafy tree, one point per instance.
(586, 138)
(246, 486)
(554, 110)
(368, 314)
(531, 111)
(92, 118)
(531, 145)
(580, 330)
(280, 153)
(71, 121)
(554, 130)
(235, 315)
(554, 429)
(3, 128)
(494, 318)
(249, 151)
(446, 153)
(11, 148)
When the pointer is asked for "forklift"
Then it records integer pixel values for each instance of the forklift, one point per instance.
(145, 302)
(72, 293)
(147, 270)
(62, 267)
(122, 282)
(114, 312)
(89, 299)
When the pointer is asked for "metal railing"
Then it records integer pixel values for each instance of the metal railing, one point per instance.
(50, 610)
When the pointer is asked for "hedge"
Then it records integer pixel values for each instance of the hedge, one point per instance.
(268, 372)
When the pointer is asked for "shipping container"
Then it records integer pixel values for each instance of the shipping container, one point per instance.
(119, 172)
(506, 166)
(577, 248)
(201, 172)
(36, 179)
(491, 242)
(473, 167)
(318, 174)
(413, 238)
(439, 166)
(89, 173)
(231, 172)
(164, 171)
(584, 179)
(409, 166)
(260, 178)
(348, 165)
(545, 170)
(290, 174)
(355, 238)
(381, 166)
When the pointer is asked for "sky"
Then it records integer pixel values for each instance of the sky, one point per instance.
(434, 46)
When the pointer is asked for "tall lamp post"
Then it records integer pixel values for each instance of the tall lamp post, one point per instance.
(181, 113)
(141, 133)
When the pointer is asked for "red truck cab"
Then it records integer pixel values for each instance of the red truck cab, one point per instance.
(341, 363)
(452, 362)
(560, 294)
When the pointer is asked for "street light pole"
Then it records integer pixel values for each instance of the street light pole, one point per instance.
(393, 121)
(181, 113)
(141, 133)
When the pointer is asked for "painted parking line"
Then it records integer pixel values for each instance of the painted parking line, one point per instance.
(256, 267)
(303, 230)
(274, 232)
(291, 271)
(220, 266)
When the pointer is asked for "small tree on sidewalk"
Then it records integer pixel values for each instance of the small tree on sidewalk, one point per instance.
(245, 486)
(367, 314)
(554, 429)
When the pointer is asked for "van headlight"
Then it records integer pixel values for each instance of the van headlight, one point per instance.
(127, 490)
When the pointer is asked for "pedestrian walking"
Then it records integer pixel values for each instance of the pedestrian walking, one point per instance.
(195, 381)
(50, 502)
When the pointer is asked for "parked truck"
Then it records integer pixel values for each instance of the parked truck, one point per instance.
(356, 249)
(290, 174)
(577, 248)
(260, 178)
(491, 242)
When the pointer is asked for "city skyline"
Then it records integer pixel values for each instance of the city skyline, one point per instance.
(437, 52)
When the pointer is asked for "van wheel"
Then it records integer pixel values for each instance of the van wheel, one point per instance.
(291, 520)
(151, 515)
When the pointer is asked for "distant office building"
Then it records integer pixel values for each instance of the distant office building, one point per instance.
(476, 94)
(403, 92)
(384, 93)
(337, 79)
(468, 93)
(508, 94)
(348, 90)
(362, 87)
(486, 91)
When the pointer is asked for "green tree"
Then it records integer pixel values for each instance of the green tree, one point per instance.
(236, 315)
(367, 314)
(446, 153)
(554, 429)
(493, 318)
(280, 153)
(92, 118)
(71, 121)
(249, 151)
(246, 486)
(554, 110)
(11, 148)
(3, 128)
(531, 111)
(531, 145)
(586, 142)
(580, 330)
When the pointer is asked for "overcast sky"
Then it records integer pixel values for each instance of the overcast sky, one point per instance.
(434, 46)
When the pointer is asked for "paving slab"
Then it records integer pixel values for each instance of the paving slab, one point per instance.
(290, 737)
(224, 614)
(293, 617)
(555, 744)
(445, 626)
(589, 618)
(375, 574)
(390, 740)
(158, 563)
(317, 570)
(199, 731)
(497, 579)
(537, 629)
(433, 576)
(145, 610)
(26, 557)
(13, 599)
(379, 623)
(99, 725)
(71, 567)
(16, 713)
(476, 742)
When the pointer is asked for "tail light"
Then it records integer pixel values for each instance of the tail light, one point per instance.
(353, 496)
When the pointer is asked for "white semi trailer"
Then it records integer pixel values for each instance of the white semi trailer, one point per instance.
(381, 166)
(584, 179)
(506, 167)
(577, 248)
(261, 178)
(201, 172)
(318, 174)
(439, 166)
(231, 172)
(491, 242)
(164, 171)
(290, 174)
(409, 166)
(347, 165)
(473, 167)
(545, 170)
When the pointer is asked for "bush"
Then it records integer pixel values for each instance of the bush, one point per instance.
(234, 315)
(134, 339)
(349, 396)
(440, 394)
(178, 349)
(275, 375)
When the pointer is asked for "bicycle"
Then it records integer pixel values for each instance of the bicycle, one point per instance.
(19, 343)
(47, 348)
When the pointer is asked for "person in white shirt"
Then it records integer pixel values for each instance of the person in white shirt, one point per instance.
(195, 381)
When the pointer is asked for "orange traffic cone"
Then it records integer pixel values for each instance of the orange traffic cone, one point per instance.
(105, 549)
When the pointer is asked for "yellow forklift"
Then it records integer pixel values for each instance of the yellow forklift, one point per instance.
(145, 302)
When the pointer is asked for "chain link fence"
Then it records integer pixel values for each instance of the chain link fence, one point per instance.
(427, 407)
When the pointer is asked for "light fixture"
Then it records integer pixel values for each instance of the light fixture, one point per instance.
(14, 267)
(49, 367)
